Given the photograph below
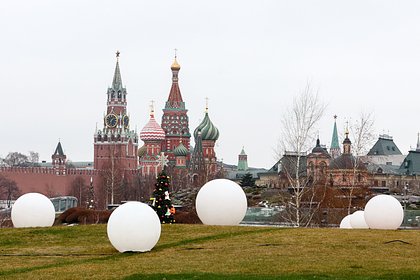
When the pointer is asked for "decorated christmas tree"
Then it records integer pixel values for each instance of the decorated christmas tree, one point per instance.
(161, 201)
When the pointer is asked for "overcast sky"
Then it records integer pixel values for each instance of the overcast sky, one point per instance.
(248, 57)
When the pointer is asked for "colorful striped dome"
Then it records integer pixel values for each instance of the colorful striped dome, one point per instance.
(181, 150)
(152, 130)
(207, 128)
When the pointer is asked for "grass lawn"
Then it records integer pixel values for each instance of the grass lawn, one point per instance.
(209, 252)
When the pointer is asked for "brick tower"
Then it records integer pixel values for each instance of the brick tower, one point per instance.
(116, 145)
(242, 161)
(175, 119)
(59, 160)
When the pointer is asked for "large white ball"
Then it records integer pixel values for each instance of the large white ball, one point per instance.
(384, 212)
(33, 210)
(357, 220)
(221, 202)
(345, 222)
(133, 226)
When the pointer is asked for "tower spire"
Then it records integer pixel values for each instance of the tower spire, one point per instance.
(152, 108)
(335, 146)
(175, 98)
(117, 81)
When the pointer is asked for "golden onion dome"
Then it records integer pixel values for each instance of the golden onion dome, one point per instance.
(175, 65)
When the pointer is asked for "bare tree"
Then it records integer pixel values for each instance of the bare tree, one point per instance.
(79, 189)
(16, 159)
(33, 158)
(362, 131)
(111, 178)
(8, 190)
(297, 134)
(179, 178)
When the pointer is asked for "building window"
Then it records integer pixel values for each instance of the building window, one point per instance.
(383, 183)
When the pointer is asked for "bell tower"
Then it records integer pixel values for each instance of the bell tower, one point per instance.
(59, 160)
(175, 118)
(115, 144)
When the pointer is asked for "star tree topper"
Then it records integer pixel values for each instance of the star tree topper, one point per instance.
(162, 160)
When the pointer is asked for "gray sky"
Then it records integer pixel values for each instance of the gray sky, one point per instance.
(248, 57)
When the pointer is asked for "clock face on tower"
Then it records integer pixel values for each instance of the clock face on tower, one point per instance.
(126, 121)
(111, 120)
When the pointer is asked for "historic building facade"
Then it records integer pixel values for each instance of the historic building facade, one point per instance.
(118, 164)
(171, 140)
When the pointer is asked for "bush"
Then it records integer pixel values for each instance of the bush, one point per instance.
(79, 215)
(184, 217)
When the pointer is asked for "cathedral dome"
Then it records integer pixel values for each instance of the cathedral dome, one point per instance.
(142, 151)
(152, 130)
(207, 128)
(319, 150)
(181, 150)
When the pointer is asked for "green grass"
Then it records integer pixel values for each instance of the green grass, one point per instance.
(210, 252)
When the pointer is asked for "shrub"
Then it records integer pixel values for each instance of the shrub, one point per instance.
(79, 215)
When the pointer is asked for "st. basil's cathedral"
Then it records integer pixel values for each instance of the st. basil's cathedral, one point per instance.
(119, 158)
(171, 141)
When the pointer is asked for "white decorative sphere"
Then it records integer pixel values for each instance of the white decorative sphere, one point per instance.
(345, 222)
(33, 210)
(384, 212)
(357, 220)
(221, 202)
(133, 226)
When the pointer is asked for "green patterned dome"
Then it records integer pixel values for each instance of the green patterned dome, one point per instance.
(181, 150)
(208, 130)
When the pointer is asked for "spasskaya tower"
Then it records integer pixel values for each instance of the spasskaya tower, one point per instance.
(115, 145)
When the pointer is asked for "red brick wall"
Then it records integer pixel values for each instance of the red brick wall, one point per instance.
(44, 180)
